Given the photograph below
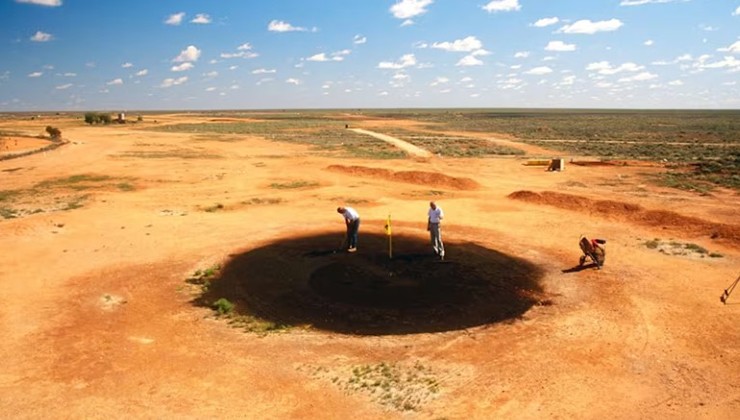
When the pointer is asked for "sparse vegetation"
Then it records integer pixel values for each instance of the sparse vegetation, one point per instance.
(214, 208)
(396, 386)
(54, 133)
(97, 118)
(223, 306)
(7, 213)
(258, 201)
(179, 153)
(672, 247)
(293, 185)
(318, 130)
(54, 194)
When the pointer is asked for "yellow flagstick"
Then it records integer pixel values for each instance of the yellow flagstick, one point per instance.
(389, 232)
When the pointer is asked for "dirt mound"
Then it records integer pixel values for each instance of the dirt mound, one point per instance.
(303, 282)
(633, 213)
(429, 179)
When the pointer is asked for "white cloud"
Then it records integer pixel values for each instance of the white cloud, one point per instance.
(318, 57)
(736, 12)
(405, 9)
(521, 54)
(65, 86)
(126, 65)
(191, 53)
(359, 39)
(439, 81)
(35, 74)
(468, 44)
(587, 27)
(708, 28)
(211, 74)
(603, 67)
(233, 67)
(546, 22)
(560, 46)
(142, 72)
(641, 2)
(240, 54)
(244, 47)
(407, 22)
(169, 82)
(734, 48)
(292, 81)
(41, 37)
(49, 3)
(640, 77)
(502, 6)
(115, 82)
(175, 19)
(648, 43)
(469, 60)
(182, 67)
(280, 26)
(568, 80)
(335, 56)
(728, 61)
(539, 70)
(675, 83)
(201, 19)
(264, 71)
(511, 83)
(210, 89)
(406, 60)
(70, 74)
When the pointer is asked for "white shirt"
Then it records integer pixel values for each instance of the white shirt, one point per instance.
(350, 214)
(435, 215)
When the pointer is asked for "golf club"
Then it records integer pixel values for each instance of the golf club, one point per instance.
(728, 291)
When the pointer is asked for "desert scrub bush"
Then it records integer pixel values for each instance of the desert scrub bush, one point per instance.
(258, 201)
(54, 133)
(696, 248)
(214, 208)
(7, 213)
(252, 324)
(223, 306)
(652, 244)
(204, 276)
(293, 184)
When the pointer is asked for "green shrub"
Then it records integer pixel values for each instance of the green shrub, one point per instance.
(223, 306)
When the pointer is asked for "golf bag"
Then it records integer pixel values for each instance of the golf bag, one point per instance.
(593, 250)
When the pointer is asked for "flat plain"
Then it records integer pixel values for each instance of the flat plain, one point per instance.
(184, 265)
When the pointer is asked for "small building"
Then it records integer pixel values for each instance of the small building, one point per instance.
(121, 118)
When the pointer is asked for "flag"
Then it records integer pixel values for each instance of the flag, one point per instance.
(388, 226)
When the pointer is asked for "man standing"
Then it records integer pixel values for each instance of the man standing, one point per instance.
(352, 220)
(435, 217)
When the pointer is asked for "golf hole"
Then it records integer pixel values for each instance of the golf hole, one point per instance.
(302, 281)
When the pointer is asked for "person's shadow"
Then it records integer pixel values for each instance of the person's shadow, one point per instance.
(580, 268)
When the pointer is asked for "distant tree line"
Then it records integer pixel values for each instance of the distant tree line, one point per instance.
(97, 118)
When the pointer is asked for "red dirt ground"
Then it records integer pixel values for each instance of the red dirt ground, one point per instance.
(101, 314)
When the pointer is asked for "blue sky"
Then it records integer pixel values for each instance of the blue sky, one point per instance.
(249, 54)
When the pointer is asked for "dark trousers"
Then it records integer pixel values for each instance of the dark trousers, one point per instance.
(352, 228)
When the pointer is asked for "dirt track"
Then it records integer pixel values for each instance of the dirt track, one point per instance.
(97, 318)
